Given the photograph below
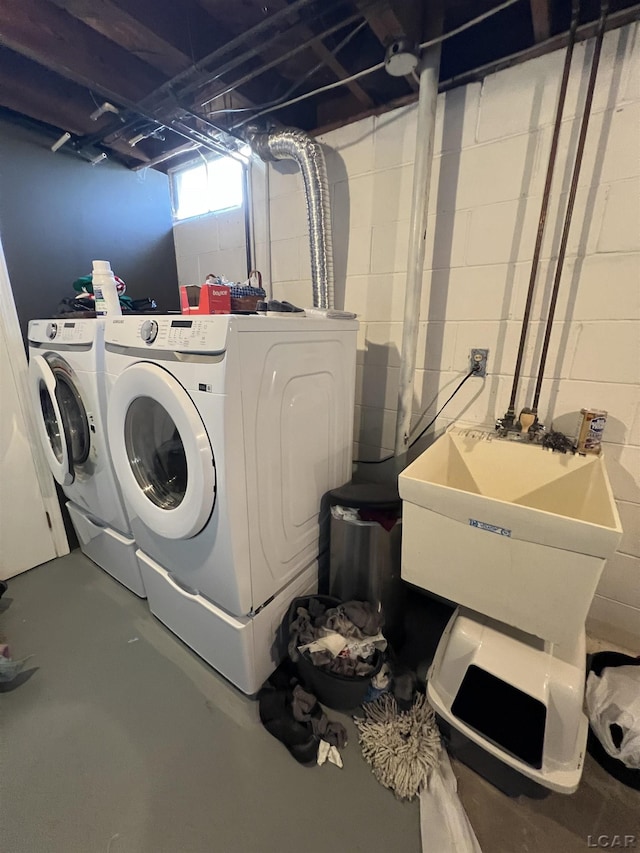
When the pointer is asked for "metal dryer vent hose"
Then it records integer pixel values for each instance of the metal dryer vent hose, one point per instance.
(293, 144)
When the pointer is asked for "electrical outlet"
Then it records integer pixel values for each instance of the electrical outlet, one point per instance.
(479, 361)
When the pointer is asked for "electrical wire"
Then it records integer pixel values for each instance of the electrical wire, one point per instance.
(317, 91)
(489, 13)
(322, 64)
(422, 432)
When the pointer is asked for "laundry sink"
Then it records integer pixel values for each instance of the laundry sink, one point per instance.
(509, 529)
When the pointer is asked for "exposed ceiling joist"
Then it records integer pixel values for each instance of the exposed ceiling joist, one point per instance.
(46, 34)
(118, 25)
(332, 62)
(541, 18)
(159, 60)
(124, 24)
(77, 52)
(27, 88)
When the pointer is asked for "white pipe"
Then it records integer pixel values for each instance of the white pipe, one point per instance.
(425, 132)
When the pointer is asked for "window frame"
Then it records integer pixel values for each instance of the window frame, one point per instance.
(200, 161)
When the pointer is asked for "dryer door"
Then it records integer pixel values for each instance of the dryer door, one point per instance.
(53, 434)
(161, 451)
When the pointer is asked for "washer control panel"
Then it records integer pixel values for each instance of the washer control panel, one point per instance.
(71, 332)
(206, 334)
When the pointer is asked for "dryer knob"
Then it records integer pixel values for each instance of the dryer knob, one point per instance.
(149, 331)
(52, 330)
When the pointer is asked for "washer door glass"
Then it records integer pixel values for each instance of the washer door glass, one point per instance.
(51, 423)
(161, 451)
(50, 418)
(74, 416)
(156, 453)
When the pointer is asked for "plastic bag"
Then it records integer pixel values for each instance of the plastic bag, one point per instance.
(614, 699)
(444, 825)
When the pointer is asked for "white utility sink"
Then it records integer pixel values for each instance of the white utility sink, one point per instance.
(509, 530)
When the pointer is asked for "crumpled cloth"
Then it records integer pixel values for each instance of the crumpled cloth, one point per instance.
(329, 753)
(306, 709)
(9, 668)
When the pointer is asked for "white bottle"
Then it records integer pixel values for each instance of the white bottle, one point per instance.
(105, 290)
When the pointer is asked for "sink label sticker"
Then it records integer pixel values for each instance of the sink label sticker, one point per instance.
(491, 528)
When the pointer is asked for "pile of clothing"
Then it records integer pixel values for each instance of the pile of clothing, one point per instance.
(294, 716)
(344, 639)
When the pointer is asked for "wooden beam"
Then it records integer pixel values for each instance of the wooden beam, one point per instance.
(297, 33)
(541, 19)
(31, 90)
(621, 18)
(322, 52)
(119, 26)
(51, 37)
(28, 88)
(386, 26)
(617, 19)
(127, 25)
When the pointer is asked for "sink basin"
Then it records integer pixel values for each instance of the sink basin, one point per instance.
(509, 530)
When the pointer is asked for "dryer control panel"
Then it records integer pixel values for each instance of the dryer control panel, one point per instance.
(70, 332)
(170, 333)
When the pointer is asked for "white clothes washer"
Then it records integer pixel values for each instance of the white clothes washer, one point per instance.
(225, 432)
(66, 359)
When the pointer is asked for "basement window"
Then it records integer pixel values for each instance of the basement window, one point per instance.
(207, 187)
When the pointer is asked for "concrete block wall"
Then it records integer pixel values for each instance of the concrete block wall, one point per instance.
(212, 243)
(491, 151)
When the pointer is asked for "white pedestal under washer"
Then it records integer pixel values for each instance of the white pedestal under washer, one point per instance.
(66, 359)
(225, 433)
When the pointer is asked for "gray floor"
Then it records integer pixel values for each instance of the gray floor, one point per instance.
(121, 740)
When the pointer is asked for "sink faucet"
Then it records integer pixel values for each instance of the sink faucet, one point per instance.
(526, 428)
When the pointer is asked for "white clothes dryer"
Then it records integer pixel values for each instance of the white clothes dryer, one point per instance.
(225, 432)
(66, 359)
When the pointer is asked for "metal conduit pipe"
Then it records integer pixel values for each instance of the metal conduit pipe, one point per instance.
(293, 144)
(510, 415)
(430, 69)
(584, 126)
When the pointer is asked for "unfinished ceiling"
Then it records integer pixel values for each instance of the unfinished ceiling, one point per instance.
(195, 72)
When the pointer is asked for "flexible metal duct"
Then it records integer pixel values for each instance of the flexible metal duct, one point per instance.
(293, 144)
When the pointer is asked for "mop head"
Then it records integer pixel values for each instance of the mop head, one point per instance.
(401, 747)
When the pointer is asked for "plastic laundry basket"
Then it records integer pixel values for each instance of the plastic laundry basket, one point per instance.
(340, 692)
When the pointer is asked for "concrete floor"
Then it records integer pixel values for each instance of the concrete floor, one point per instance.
(120, 740)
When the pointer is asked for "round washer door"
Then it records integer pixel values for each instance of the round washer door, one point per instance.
(50, 421)
(161, 451)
